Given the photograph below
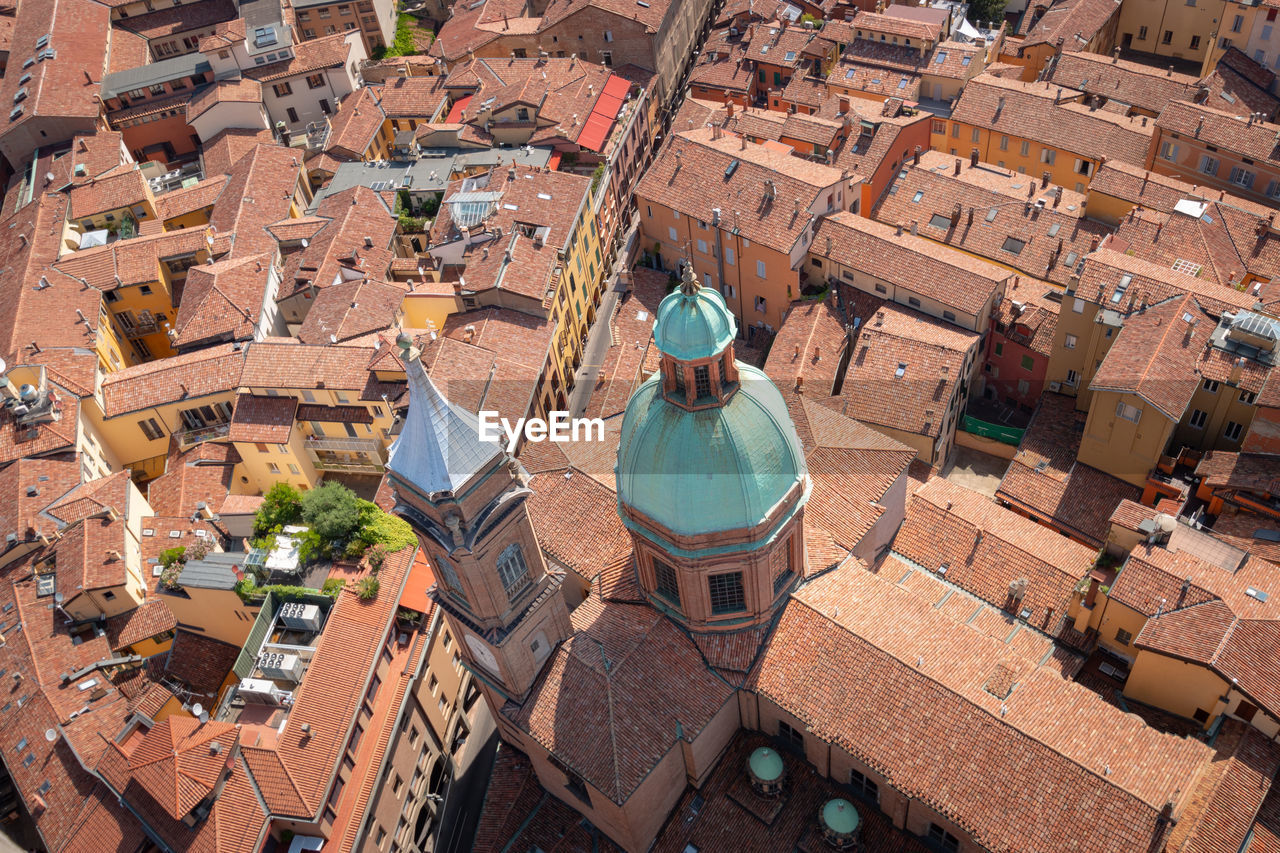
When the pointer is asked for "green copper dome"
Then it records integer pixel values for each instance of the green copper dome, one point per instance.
(710, 470)
(693, 322)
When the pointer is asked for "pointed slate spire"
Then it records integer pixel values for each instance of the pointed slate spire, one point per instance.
(439, 447)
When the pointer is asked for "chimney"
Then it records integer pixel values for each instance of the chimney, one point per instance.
(899, 231)
(1115, 56)
(1169, 73)
(1057, 197)
(1044, 179)
(973, 158)
(955, 215)
(728, 109)
(915, 229)
(957, 165)
(915, 157)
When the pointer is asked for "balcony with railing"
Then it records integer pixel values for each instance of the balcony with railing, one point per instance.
(190, 437)
(141, 328)
(351, 455)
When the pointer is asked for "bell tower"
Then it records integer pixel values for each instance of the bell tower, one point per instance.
(465, 499)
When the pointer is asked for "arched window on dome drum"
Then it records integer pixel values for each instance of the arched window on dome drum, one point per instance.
(677, 370)
(724, 369)
(666, 584)
(513, 571)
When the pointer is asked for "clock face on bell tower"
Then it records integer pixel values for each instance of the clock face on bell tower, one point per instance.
(482, 654)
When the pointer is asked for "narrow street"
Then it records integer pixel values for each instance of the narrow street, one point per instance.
(599, 339)
(460, 814)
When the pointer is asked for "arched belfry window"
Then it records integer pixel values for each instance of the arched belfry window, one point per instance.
(513, 571)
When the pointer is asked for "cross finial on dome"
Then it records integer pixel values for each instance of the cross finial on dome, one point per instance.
(689, 281)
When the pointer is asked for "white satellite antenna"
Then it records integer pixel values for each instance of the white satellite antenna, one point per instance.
(50, 735)
(199, 711)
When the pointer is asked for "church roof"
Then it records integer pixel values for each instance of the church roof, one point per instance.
(439, 447)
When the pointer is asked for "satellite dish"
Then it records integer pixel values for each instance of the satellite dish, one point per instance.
(50, 735)
(197, 709)
(58, 598)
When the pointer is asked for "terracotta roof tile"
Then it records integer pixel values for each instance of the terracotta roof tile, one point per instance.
(286, 363)
(953, 278)
(218, 300)
(336, 681)
(623, 719)
(1228, 130)
(201, 474)
(67, 86)
(694, 183)
(1146, 87)
(263, 419)
(259, 192)
(1045, 479)
(987, 548)
(1036, 111)
(330, 51)
(177, 763)
(226, 148)
(28, 486)
(143, 622)
(1229, 794)
(589, 541)
(1156, 354)
(1104, 268)
(340, 246)
(353, 128)
(931, 355)
(1075, 22)
(200, 663)
(351, 309)
(242, 90)
(1050, 234)
(893, 657)
(191, 376)
(123, 188)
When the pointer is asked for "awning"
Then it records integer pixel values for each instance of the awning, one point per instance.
(421, 578)
(455, 112)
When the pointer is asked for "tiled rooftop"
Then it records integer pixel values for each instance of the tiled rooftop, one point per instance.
(901, 659)
(1155, 355)
(681, 183)
(903, 370)
(190, 376)
(998, 214)
(263, 419)
(1038, 112)
(1045, 479)
(952, 278)
(986, 549)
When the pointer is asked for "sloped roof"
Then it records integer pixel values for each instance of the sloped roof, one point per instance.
(180, 760)
(623, 719)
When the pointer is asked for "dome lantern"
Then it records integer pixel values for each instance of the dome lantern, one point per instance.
(694, 331)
